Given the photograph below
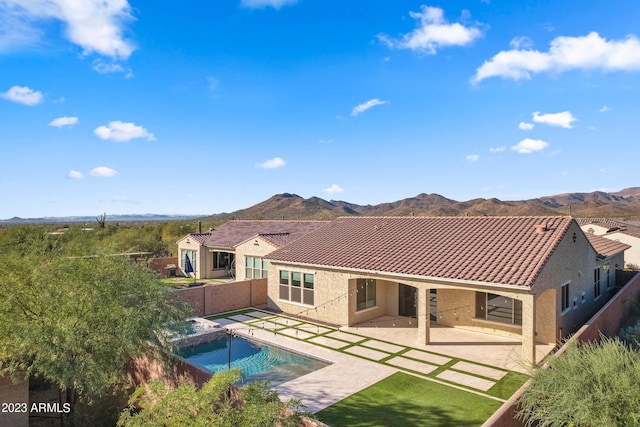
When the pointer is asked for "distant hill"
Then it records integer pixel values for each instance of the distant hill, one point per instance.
(92, 219)
(598, 204)
(621, 204)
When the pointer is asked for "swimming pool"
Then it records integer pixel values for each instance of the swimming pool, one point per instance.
(257, 360)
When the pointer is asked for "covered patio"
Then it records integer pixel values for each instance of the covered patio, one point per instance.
(482, 347)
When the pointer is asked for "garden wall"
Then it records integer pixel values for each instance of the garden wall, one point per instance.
(218, 298)
(607, 321)
(11, 393)
(159, 265)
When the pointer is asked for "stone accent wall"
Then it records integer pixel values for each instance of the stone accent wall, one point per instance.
(218, 298)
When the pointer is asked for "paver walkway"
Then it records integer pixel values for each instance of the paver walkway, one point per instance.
(387, 357)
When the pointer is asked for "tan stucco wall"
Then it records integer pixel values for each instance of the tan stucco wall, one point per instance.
(565, 267)
(255, 247)
(202, 269)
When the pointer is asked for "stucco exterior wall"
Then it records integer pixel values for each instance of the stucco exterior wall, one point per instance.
(255, 247)
(201, 267)
(564, 267)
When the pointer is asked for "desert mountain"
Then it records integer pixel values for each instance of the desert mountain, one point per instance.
(621, 204)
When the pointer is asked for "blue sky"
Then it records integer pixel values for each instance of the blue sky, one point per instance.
(212, 106)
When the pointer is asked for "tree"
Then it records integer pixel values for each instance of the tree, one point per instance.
(77, 320)
(590, 384)
(218, 404)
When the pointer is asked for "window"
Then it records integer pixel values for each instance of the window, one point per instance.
(365, 293)
(256, 267)
(221, 260)
(498, 308)
(565, 297)
(193, 258)
(607, 274)
(296, 287)
(596, 283)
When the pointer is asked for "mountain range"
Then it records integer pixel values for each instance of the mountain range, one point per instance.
(620, 204)
(597, 204)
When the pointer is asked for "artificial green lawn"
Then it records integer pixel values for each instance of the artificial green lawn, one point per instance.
(407, 401)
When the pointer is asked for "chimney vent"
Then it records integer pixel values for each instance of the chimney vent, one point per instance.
(541, 228)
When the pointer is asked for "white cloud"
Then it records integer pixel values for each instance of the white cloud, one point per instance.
(563, 119)
(74, 174)
(497, 149)
(525, 126)
(366, 105)
(23, 95)
(473, 157)
(63, 121)
(260, 4)
(103, 171)
(112, 68)
(521, 42)
(590, 52)
(605, 109)
(334, 189)
(95, 25)
(274, 163)
(433, 32)
(122, 132)
(528, 146)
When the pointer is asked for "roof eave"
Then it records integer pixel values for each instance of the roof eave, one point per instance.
(479, 283)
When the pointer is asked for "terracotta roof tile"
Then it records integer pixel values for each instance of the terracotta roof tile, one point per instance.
(612, 225)
(232, 233)
(505, 250)
(606, 247)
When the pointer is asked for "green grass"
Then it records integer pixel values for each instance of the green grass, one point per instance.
(508, 385)
(407, 401)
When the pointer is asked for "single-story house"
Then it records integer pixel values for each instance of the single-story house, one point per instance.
(619, 231)
(213, 254)
(536, 278)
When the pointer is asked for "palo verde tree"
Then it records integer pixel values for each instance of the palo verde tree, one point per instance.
(76, 320)
(219, 403)
(591, 384)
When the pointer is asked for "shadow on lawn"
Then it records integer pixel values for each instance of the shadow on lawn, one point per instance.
(397, 414)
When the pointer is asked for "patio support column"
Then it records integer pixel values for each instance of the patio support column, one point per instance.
(423, 316)
(529, 329)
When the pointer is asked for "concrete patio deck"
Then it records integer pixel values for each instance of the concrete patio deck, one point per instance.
(362, 356)
(495, 350)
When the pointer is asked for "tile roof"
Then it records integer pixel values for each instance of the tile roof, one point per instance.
(507, 250)
(611, 225)
(280, 239)
(606, 247)
(231, 233)
(200, 237)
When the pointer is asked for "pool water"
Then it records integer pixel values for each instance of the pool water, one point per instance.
(258, 361)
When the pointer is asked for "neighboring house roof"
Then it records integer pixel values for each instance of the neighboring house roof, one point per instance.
(232, 233)
(199, 237)
(606, 247)
(279, 240)
(611, 225)
(506, 250)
